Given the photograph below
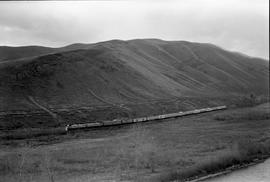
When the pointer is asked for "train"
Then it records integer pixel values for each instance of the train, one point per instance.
(121, 121)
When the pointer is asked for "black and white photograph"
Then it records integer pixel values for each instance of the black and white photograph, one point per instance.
(134, 91)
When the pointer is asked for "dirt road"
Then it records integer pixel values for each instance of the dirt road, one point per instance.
(258, 173)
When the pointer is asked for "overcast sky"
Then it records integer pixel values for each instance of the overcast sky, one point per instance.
(237, 25)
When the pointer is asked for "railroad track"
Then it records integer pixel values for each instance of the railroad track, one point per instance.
(142, 119)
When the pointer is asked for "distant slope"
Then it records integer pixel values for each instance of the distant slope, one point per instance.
(129, 72)
(12, 53)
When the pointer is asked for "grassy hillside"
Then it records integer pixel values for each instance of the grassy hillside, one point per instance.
(8, 54)
(11, 53)
(124, 72)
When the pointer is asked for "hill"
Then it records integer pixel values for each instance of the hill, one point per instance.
(8, 54)
(125, 72)
(11, 53)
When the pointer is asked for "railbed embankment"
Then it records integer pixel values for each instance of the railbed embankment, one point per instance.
(141, 119)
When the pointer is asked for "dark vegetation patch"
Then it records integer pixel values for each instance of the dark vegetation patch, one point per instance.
(31, 133)
(251, 115)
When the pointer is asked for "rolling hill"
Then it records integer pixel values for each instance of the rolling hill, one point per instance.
(120, 72)
(17, 53)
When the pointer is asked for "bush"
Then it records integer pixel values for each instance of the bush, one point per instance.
(251, 100)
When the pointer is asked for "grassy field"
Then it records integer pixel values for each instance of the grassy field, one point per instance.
(143, 152)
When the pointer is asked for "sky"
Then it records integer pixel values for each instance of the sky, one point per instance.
(236, 25)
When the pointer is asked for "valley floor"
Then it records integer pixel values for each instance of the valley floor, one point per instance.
(142, 152)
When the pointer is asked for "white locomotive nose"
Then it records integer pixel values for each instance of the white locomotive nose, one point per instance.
(66, 128)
